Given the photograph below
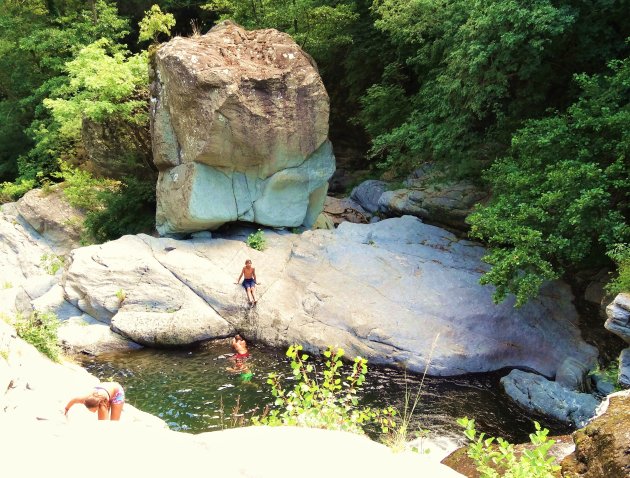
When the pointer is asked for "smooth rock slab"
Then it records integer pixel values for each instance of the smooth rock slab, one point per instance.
(384, 291)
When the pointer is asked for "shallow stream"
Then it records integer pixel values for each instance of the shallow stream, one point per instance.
(195, 391)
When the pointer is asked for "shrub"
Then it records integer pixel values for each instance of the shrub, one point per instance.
(620, 253)
(499, 460)
(331, 404)
(51, 263)
(40, 330)
(127, 209)
(256, 240)
(12, 191)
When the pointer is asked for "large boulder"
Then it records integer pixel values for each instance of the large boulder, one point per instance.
(384, 291)
(544, 397)
(624, 368)
(239, 130)
(602, 448)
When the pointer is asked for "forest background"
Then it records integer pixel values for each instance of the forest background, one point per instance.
(527, 98)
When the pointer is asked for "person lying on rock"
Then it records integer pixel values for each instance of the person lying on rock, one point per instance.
(249, 283)
(107, 398)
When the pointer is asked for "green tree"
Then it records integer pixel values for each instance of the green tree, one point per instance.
(154, 23)
(562, 194)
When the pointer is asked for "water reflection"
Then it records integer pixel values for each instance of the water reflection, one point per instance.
(200, 390)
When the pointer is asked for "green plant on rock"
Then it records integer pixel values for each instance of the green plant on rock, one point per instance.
(499, 460)
(620, 253)
(7, 285)
(121, 295)
(51, 262)
(10, 192)
(610, 373)
(331, 404)
(40, 330)
(256, 240)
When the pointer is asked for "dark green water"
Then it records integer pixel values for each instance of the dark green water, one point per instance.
(194, 391)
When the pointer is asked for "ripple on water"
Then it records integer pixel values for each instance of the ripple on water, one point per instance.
(200, 390)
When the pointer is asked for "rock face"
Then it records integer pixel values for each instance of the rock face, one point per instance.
(383, 291)
(447, 204)
(542, 396)
(618, 313)
(239, 131)
(602, 448)
(116, 149)
(50, 214)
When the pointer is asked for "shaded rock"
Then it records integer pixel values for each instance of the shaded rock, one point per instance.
(624, 368)
(618, 313)
(595, 292)
(116, 149)
(323, 221)
(50, 214)
(602, 385)
(539, 395)
(448, 203)
(602, 448)
(413, 282)
(342, 210)
(239, 131)
(573, 375)
(368, 193)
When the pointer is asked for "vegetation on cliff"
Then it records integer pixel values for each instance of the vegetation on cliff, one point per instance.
(529, 99)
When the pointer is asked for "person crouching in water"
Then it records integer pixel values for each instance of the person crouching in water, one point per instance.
(249, 282)
(240, 347)
(107, 399)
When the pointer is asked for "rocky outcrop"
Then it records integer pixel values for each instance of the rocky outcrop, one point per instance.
(602, 448)
(544, 397)
(618, 313)
(30, 283)
(239, 131)
(50, 214)
(618, 322)
(383, 291)
(448, 203)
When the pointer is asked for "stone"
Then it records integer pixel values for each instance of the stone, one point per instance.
(125, 286)
(368, 193)
(384, 291)
(342, 210)
(447, 203)
(618, 313)
(573, 375)
(50, 214)
(624, 368)
(602, 448)
(536, 394)
(116, 149)
(602, 385)
(240, 131)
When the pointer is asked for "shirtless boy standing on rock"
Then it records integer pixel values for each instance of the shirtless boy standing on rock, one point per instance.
(249, 282)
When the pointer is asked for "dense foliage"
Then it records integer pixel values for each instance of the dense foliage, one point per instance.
(528, 98)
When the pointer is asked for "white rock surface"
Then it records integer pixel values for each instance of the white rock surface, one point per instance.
(383, 291)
